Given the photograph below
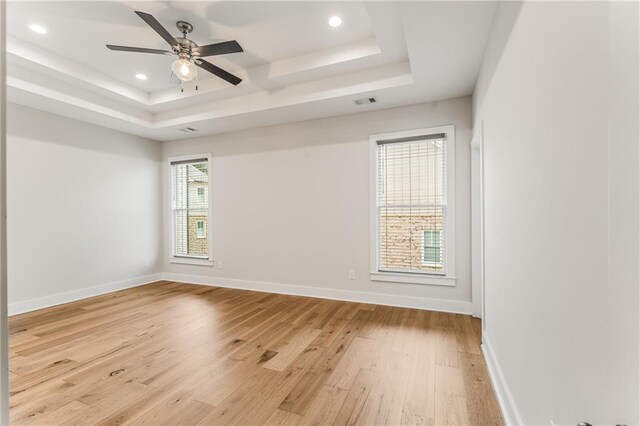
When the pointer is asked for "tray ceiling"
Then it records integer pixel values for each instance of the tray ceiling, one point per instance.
(295, 66)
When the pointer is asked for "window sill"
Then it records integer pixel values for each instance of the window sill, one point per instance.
(433, 265)
(397, 277)
(191, 261)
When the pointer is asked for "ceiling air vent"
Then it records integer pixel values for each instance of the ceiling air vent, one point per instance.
(364, 101)
(188, 130)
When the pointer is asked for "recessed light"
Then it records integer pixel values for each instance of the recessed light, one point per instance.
(38, 29)
(335, 21)
(141, 76)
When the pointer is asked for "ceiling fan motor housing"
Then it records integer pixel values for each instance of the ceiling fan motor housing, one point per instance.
(185, 45)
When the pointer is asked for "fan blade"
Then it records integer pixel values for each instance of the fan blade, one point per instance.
(157, 27)
(138, 49)
(218, 72)
(219, 48)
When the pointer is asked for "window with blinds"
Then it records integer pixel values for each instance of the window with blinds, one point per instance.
(190, 208)
(411, 204)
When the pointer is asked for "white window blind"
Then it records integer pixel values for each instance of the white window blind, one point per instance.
(411, 204)
(190, 208)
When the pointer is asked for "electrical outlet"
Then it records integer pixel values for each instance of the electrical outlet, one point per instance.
(352, 275)
(219, 264)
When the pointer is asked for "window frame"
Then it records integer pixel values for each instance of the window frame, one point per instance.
(447, 277)
(182, 259)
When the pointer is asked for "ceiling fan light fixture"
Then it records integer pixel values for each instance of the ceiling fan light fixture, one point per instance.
(184, 69)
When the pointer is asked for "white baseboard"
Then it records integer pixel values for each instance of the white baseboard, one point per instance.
(441, 305)
(70, 296)
(508, 407)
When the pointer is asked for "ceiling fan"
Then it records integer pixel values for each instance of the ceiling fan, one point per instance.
(189, 53)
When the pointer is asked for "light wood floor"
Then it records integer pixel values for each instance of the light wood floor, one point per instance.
(169, 353)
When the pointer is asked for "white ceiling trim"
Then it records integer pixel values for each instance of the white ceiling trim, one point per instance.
(324, 58)
(62, 97)
(41, 58)
(357, 83)
(360, 83)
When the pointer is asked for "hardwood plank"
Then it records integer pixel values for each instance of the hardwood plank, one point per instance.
(171, 408)
(114, 407)
(419, 403)
(446, 347)
(59, 416)
(449, 380)
(246, 395)
(324, 407)
(283, 418)
(291, 350)
(39, 401)
(35, 378)
(352, 411)
(358, 355)
(304, 393)
(384, 404)
(87, 329)
(451, 410)
(465, 335)
(476, 383)
(236, 383)
(269, 397)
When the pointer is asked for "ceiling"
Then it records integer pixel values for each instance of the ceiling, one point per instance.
(294, 67)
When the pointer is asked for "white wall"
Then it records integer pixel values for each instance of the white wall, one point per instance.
(83, 208)
(504, 18)
(623, 310)
(560, 114)
(291, 206)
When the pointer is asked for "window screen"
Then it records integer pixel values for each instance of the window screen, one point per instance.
(190, 197)
(411, 204)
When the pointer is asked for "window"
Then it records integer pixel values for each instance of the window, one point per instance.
(432, 247)
(412, 206)
(201, 230)
(190, 209)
